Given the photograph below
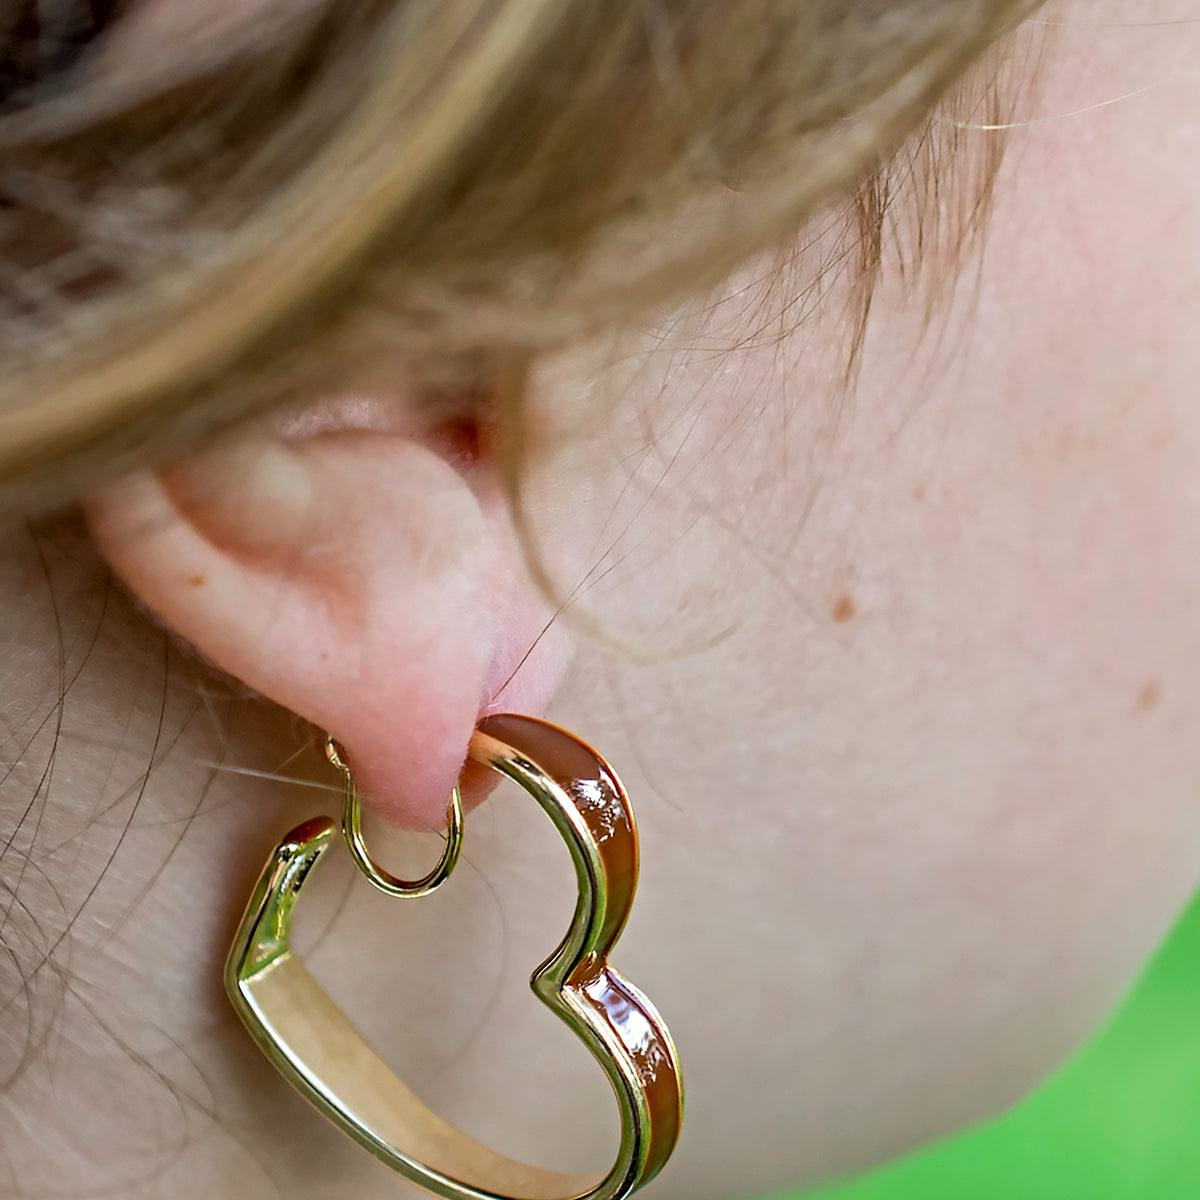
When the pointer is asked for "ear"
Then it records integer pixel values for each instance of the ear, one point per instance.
(357, 578)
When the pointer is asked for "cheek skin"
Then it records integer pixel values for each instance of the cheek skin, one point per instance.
(936, 795)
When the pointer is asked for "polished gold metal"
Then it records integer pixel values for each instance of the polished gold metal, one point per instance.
(385, 881)
(317, 1049)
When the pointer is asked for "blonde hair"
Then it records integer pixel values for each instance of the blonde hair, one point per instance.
(456, 185)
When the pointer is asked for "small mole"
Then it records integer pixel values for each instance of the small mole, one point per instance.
(919, 492)
(196, 580)
(1149, 697)
(324, 655)
(844, 610)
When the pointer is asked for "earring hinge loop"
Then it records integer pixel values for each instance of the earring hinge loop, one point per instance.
(385, 881)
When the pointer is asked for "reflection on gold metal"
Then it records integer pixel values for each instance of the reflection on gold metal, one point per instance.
(317, 1049)
(384, 880)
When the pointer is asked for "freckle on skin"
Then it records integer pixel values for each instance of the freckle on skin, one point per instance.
(1149, 697)
(843, 610)
(919, 492)
(196, 580)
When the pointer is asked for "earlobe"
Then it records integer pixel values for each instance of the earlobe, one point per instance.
(355, 578)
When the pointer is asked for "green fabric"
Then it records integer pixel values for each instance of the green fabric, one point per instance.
(1121, 1121)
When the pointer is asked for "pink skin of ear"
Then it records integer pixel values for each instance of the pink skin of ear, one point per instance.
(355, 578)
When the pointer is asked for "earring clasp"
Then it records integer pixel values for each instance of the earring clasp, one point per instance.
(385, 881)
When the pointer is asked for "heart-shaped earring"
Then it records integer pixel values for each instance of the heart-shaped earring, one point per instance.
(321, 1054)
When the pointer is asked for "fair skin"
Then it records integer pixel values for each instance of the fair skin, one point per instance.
(916, 784)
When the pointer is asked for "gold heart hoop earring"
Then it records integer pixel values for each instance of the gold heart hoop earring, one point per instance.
(324, 1057)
